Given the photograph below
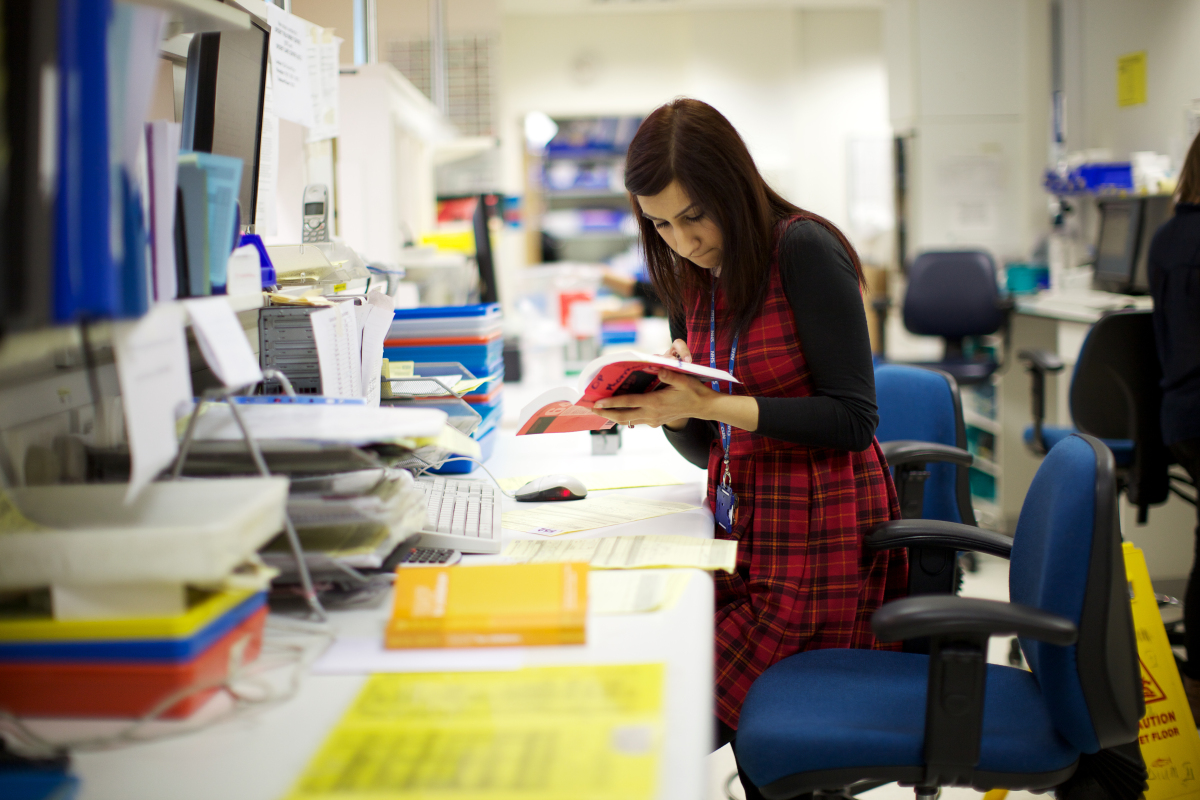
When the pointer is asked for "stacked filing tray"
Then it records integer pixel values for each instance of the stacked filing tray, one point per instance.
(109, 609)
(470, 335)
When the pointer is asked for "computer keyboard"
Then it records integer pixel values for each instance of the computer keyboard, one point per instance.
(460, 515)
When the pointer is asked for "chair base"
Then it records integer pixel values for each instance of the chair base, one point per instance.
(832, 780)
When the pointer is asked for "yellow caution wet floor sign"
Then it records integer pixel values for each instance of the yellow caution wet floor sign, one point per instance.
(1167, 734)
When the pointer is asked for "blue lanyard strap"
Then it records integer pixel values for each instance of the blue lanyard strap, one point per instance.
(726, 431)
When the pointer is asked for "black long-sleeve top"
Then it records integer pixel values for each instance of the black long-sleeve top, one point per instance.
(821, 286)
(1174, 267)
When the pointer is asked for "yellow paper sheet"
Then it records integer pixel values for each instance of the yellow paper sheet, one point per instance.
(624, 592)
(608, 479)
(551, 519)
(587, 732)
(631, 552)
(11, 518)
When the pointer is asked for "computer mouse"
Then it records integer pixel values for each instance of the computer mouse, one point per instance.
(552, 487)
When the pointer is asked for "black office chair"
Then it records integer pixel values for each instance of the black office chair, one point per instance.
(1114, 396)
(825, 720)
(954, 294)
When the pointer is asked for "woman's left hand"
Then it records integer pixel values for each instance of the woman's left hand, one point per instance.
(681, 398)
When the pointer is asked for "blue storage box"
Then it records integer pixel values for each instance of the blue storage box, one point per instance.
(480, 359)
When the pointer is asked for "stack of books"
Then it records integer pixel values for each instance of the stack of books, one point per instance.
(110, 609)
(468, 335)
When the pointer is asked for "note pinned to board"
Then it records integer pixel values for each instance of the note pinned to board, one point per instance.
(631, 552)
(290, 40)
(223, 341)
(551, 519)
(486, 734)
(608, 479)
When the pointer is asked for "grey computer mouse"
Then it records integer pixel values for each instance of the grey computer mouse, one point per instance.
(552, 487)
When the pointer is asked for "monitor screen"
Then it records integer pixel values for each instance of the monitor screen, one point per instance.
(1116, 249)
(224, 104)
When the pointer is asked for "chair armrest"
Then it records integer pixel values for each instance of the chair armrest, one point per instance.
(947, 616)
(937, 533)
(1041, 360)
(907, 451)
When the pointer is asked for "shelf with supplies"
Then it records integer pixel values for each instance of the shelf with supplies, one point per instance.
(984, 442)
(28, 355)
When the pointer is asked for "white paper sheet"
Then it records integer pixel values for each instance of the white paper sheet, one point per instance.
(625, 592)
(243, 271)
(265, 222)
(162, 152)
(223, 341)
(335, 332)
(379, 320)
(361, 655)
(325, 98)
(289, 59)
(344, 423)
(152, 367)
(630, 552)
(593, 511)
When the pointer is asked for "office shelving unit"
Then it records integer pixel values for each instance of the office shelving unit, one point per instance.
(981, 415)
(576, 188)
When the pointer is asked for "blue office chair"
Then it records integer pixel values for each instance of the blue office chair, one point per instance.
(825, 720)
(924, 440)
(955, 295)
(1114, 396)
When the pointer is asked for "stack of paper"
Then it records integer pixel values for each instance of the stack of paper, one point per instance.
(631, 552)
(551, 519)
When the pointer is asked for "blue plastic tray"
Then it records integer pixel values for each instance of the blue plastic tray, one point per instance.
(440, 312)
(480, 359)
(487, 444)
(144, 650)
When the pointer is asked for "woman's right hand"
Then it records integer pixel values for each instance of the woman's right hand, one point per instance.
(679, 349)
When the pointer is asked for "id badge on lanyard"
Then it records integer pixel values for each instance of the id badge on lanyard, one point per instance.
(727, 501)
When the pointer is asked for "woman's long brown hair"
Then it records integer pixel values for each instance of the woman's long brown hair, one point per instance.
(690, 142)
(1189, 176)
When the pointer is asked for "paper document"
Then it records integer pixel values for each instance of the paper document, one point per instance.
(380, 311)
(162, 155)
(223, 341)
(290, 41)
(152, 367)
(335, 333)
(590, 732)
(622, 592)
(551, 519)
(609, 479)
(631, 552)
(265, 222)
(346, 424)
(323, 74)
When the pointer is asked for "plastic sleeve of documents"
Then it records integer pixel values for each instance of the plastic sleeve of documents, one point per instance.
(631, 552)
(584, 731)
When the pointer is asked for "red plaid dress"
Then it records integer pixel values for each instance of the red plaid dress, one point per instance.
(803, 579)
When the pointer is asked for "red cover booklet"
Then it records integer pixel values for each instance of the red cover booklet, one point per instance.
(562, 410)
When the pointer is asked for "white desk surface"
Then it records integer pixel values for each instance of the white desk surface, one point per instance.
(1077, 306)
(260, 755)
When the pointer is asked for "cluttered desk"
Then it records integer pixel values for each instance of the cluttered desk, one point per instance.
(266, 525)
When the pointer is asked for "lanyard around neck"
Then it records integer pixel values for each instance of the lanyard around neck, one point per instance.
(726, 431)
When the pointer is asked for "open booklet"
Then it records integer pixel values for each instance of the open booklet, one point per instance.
(563, 409)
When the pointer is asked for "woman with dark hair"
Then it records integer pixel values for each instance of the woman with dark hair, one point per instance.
(771, 293)
(1174, 267)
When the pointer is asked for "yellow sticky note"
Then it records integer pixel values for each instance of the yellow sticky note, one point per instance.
(1167, 734)
(1131, 79)
(590, 732)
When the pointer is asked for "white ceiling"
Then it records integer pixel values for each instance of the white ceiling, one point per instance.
(625, 6)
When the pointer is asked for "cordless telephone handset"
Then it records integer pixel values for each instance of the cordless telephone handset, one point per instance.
(316, 213)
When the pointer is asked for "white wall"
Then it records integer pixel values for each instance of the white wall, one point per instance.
(797, 84)
(1098, 32)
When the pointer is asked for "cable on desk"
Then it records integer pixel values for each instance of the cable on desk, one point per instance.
(236, 684)
(495, 480)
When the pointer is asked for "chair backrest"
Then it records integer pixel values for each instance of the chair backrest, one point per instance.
(924, 405)
(1067, 560)
(952, 294)
(1115, 394)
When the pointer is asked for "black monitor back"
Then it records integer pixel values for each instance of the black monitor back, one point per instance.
(483, 253)
(223, 102)
(1117, 245)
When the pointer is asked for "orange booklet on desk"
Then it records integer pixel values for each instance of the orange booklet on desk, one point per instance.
(562, 410)
(489, 606)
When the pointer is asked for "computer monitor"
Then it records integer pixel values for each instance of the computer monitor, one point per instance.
(1155, 211)
(223, 102)
(483, 253)
(1117, 247)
